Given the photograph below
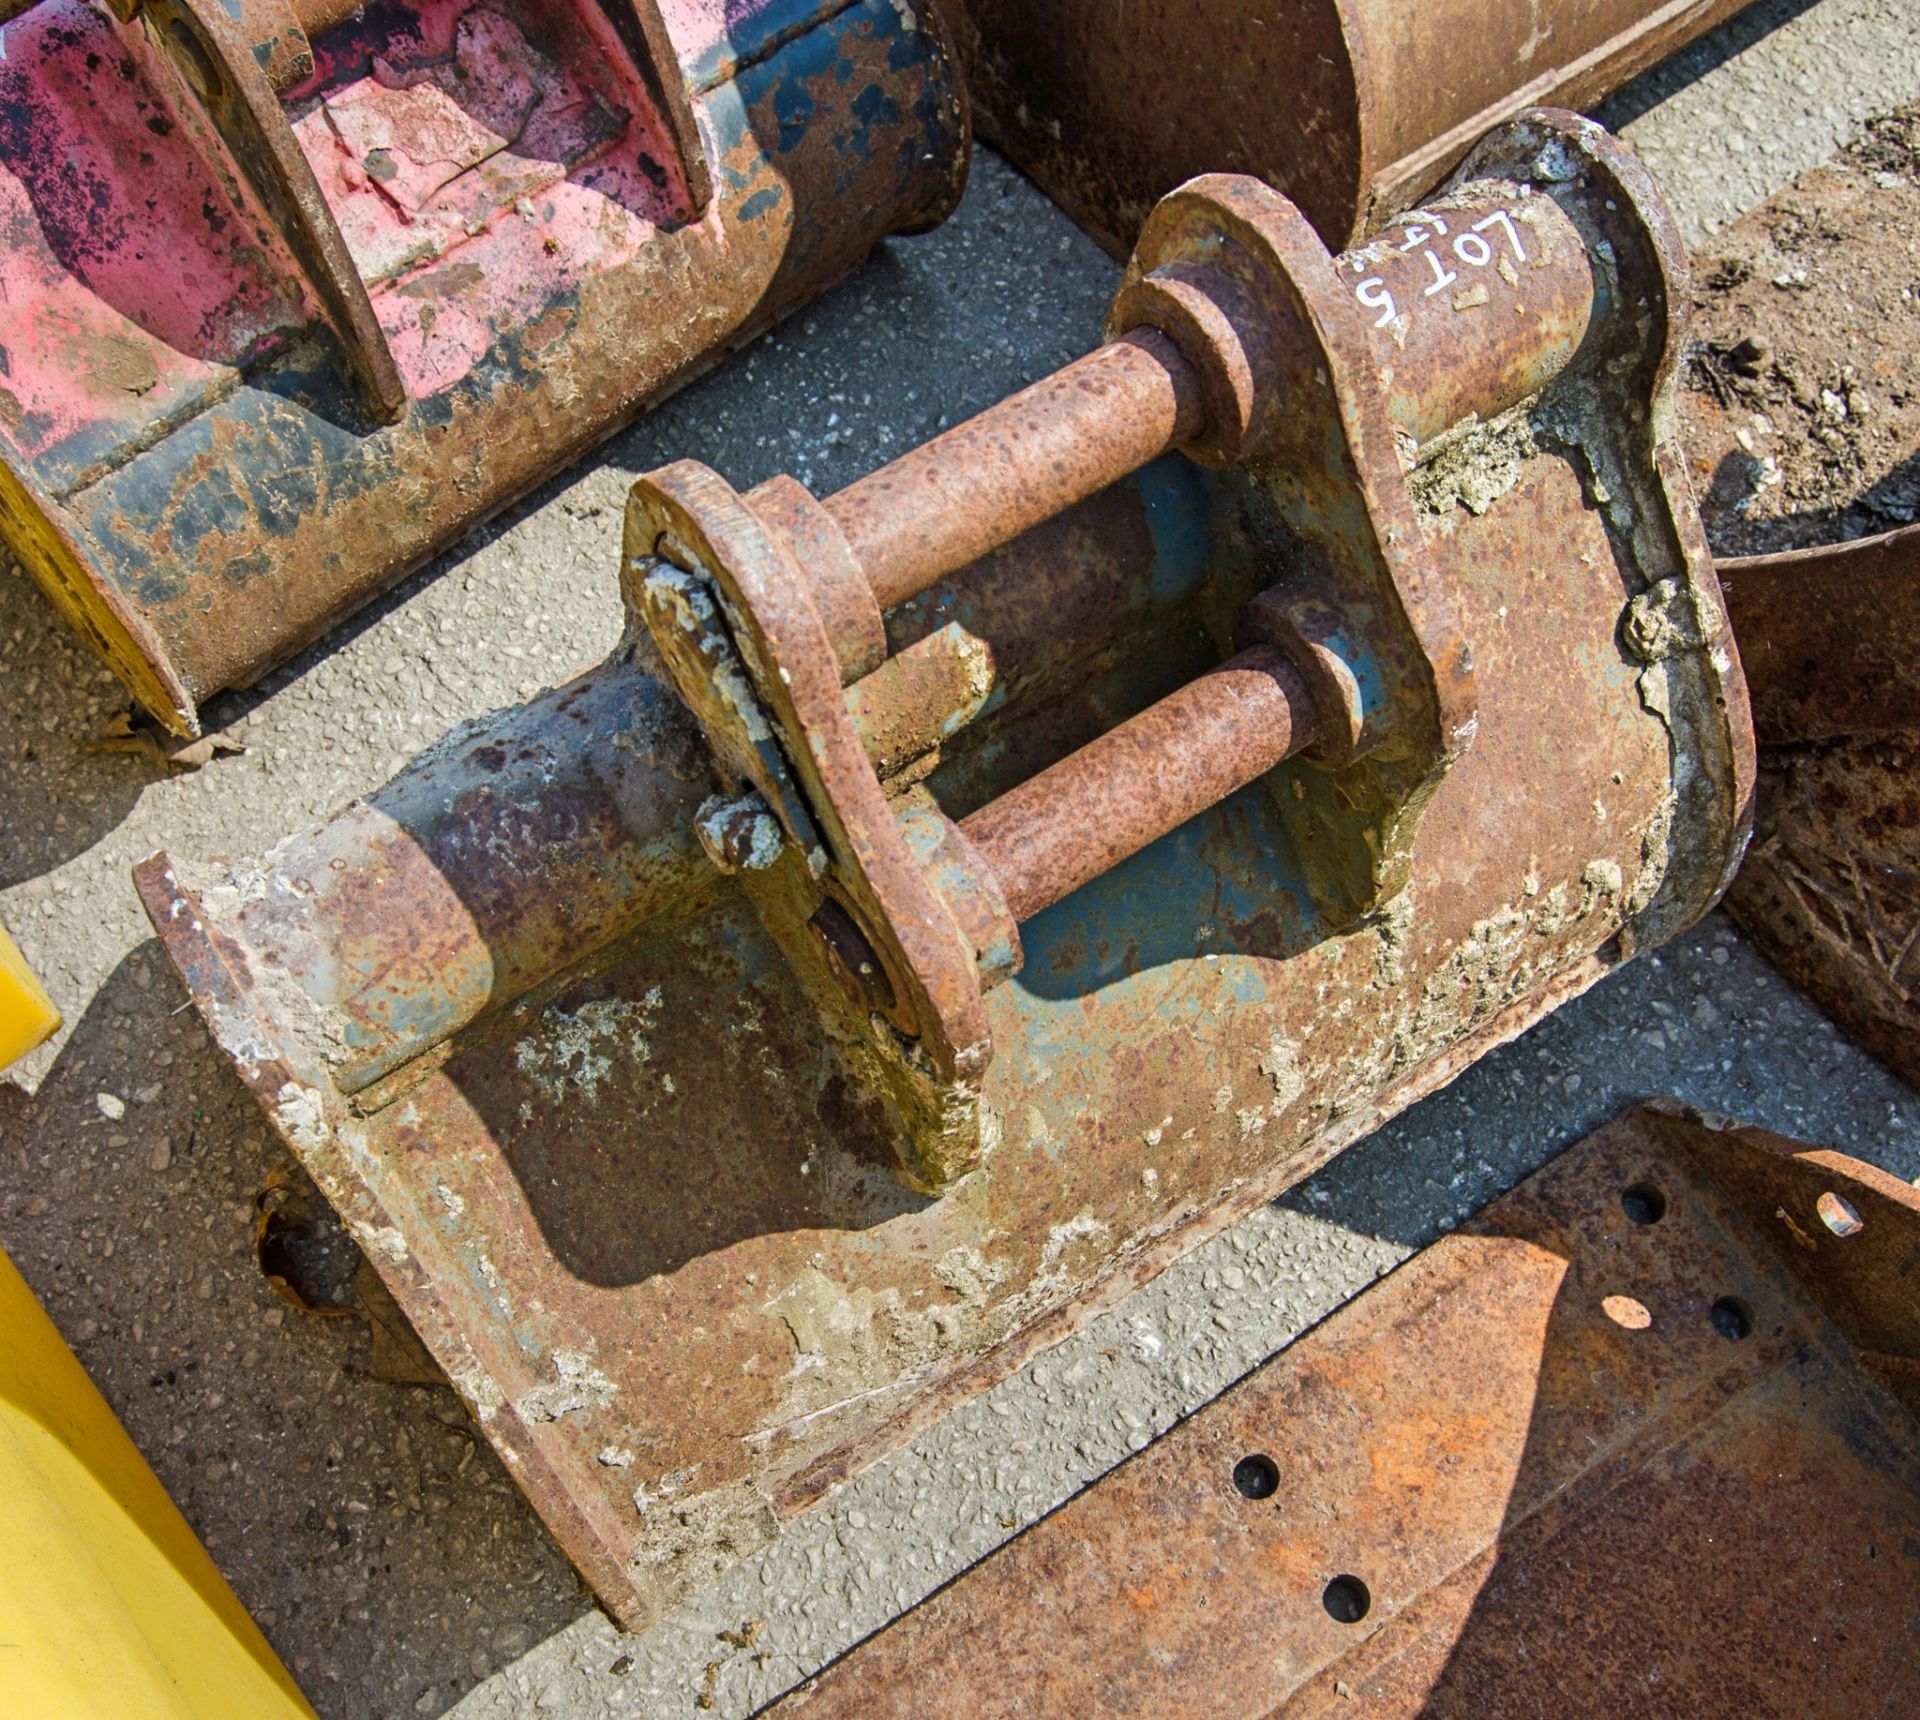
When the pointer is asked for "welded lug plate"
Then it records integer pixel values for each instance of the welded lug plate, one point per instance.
(1623, 1445)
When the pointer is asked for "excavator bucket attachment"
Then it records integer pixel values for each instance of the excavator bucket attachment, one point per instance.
(1830, 890)
(1352, 108)
(292, 295)
(961, 895)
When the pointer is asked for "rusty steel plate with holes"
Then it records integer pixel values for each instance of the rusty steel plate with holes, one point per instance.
(283, 314)
(1831, 887)
(1630, 1443)
(700, 1163)
(1353, 108)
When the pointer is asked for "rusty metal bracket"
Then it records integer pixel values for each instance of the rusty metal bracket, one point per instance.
(232, 70)
(1680, 1475)
(1235, 337)
(583, 1023)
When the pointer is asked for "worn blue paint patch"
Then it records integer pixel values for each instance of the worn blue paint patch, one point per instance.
(786, 80)
(907, 48)
(751, 38)
(294, 436)
(265, 477)
(1368, 679)
(792, 99)
(1180, 501)
(1223, 884)
(873, 106)
(212, 505)
(1184, 936)
(762, 202)
(58, 467)
(730, 127)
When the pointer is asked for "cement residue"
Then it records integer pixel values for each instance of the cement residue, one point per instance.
(1550, 914)
(387, 1241)
(689, 1539)
(1473, 464)
(273, 992)
(1667, 624)
(1656, 845)
(1602, 881)
(301, 1115)
(1475, 980)
(849, 1343)
(571, 1053)
(1392, 926)
(689, 602)
(578, 1385)
(1662, 622)
(1281, 1065)
(739, 833)
(1500, 959)
(470, 1377)
(1577, 418)
(968, 1273)
(1051, 1275)
(855, 1343)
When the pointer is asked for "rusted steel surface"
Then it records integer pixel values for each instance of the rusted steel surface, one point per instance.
(234, 112)
(1352, 108)
(1523, 274)
(1625, 1444)
(1227, 307)
(1138, 782)
(1831, 887)
(986, 481)
(619, 1109)
(511, 235)
(567, 822)
(926, 694)
(1830, 637)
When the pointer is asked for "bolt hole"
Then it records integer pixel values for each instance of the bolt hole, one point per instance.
(1257, 1477)
(1839, 1215)
(1627, 1312)
(1347, 1600)
(1731, 1317)
(1644, 1204)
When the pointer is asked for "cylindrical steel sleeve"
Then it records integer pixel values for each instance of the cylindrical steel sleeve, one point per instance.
(1471, 306)
(1019, 463)
(1087, 813)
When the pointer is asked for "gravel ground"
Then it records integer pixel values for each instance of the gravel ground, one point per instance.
(1725, 123)
(389, 1558)
(1803, 402)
